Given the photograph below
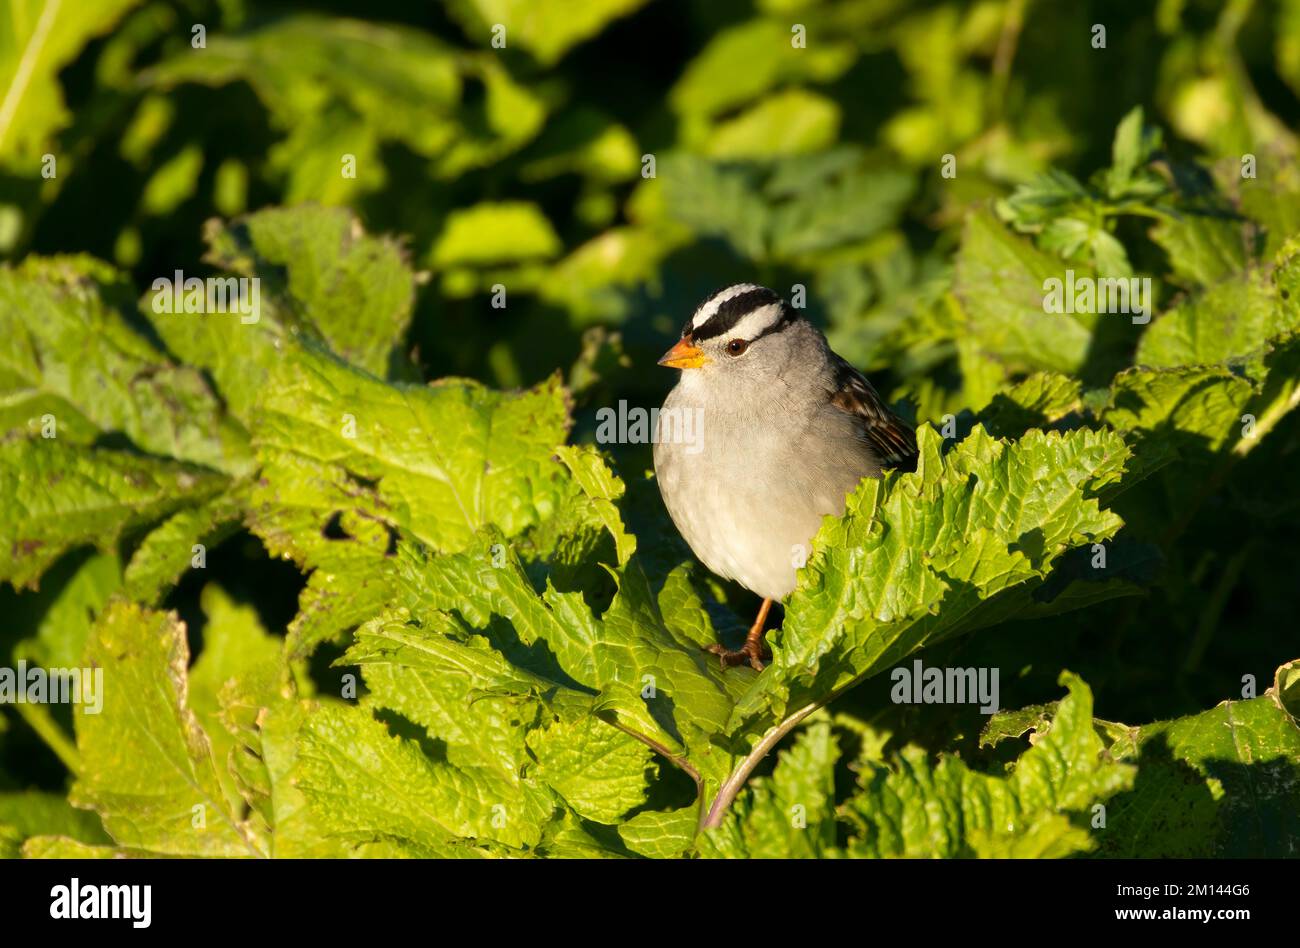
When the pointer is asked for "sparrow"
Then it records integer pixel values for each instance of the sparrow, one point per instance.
(765, 433)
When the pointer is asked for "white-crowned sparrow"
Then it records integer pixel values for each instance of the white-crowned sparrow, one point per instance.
(780, 430)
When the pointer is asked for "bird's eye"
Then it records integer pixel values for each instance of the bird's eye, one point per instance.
(736, 346)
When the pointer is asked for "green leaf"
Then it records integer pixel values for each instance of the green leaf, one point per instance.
(29, 814)
(1108, 255)
(569, 837)
(344, 87)
(1199, 410)
(1191, 407)
(1204, 250)
(235, 646)
(322, 269)
(319, 276)
(403, 80)
(596, 283)
(1046, 199)
(168, 550)
(440, 461)
(174, 182)
(469, 699)
(794, 122)
(546, 28)
(847, 208)
(59, 496)
(921, 557)
(742, 62)
(1000, 281)
(311, 159)
(1005, 725)
(716, 201)
(1227, 321)
(1036, 402)
(916, 808)
(597, 770)
(320, 272)
(489, 233)
(641, 665)
(349, 461)
(265, 719)
(1223, 783)
(1191, 424)
(1133, 147)
(147, 764)
(602, 490)
(791, 216)
(790, 814)
(40, 39)
(658, 834)
(364, 783)
(1066, 236)
(68, 351)
(1273, 202)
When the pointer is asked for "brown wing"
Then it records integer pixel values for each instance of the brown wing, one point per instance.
(888, 435)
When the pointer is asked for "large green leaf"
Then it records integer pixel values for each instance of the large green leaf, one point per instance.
(235, 648)
(364, 783)
(918, 558)
(450, 682)
(789, 814)
(321, 269)
(73, 366)
(1225, 782)
(39, 39)
(641, 665)
(344, 87)
(59, 496)
(788, 214)
(1194, 423)
(1228, 320)
(546, 28)
(33, 814)
(791, 123)
(495, 232)
(742, 62)
(147, 764)
(319, 277)
(1000, 281)
(1041, 807)
(349, 461)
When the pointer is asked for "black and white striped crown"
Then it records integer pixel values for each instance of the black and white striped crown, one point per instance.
(742, 310)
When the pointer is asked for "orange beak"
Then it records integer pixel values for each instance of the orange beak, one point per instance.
(684, 355)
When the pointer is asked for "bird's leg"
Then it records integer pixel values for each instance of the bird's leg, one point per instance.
(754, 651)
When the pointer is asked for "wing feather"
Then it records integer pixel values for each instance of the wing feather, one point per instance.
(891, 437)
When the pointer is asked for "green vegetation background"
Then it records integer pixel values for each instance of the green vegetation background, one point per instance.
(525, 166)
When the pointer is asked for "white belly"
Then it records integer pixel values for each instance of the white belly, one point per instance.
(748, 499)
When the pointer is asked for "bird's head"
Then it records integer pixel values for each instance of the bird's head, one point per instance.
(738, 333)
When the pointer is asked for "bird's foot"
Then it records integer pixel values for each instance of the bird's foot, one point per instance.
(753, 653)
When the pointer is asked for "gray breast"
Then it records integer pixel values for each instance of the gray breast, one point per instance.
(750, 491)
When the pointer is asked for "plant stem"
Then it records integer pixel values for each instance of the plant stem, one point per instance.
(1013, 22)
(727, 792)
(681, 762)
(38, 718)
